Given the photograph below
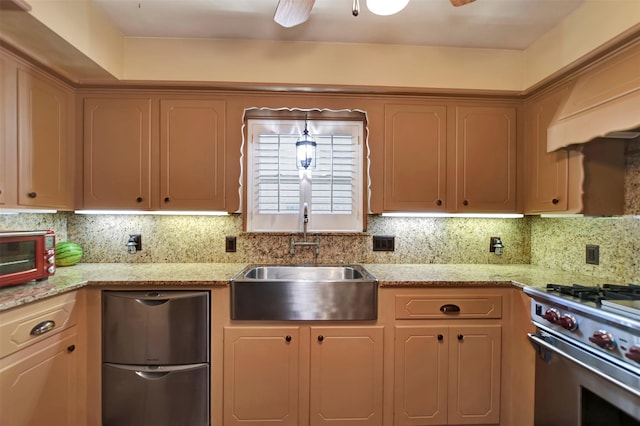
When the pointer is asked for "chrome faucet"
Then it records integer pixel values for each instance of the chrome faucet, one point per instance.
(304, 242)
(305, 220)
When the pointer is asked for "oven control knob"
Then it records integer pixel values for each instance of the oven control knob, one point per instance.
(568, 322)
(604, 339)
(634, 354)
(552, 315)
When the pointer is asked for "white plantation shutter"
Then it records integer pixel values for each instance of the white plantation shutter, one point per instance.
(332, 189)
(277, 178)
(277, 189)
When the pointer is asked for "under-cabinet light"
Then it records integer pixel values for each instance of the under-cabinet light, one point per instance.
(465, 215)
(154, 212)
(18, 211)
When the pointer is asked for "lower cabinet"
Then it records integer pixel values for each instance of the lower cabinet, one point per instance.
(39, 388)
(301, 375)
(447, 375)
(39, 363)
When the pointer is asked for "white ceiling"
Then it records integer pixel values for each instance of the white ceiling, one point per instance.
(499, 24)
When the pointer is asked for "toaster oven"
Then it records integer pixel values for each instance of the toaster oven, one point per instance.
(26, 256)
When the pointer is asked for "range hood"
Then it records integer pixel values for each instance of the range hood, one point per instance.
(603, 102)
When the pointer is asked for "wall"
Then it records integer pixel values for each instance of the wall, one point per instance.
(560, 243)
(557, 243)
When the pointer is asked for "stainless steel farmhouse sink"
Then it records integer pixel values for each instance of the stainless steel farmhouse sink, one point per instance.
(304, 293)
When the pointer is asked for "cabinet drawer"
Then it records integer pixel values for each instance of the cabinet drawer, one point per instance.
(155, 327)
(28, 324)
(447, 307)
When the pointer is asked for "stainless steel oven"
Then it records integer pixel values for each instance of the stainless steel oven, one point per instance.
(588, 368)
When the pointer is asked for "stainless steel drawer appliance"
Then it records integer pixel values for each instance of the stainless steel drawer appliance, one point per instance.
(155, 354)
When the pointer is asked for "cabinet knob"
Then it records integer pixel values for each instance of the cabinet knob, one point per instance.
(167, 199)
(440, 337)
(139, 199)
(465, 203)
(320, 338)
(32, 195)
(460, 337)
(555, 201)
(71, 348)
(438, 202)
(288, 338)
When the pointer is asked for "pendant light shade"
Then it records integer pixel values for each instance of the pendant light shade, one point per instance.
(386, 7)
(305, 150)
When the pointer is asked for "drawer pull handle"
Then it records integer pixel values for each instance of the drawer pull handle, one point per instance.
(71, 348)
(288, 338)
(320, 338)
(152, 302)
(449, 308)
(43, 327)
(152, 375)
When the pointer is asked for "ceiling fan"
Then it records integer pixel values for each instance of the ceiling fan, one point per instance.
(290, 13)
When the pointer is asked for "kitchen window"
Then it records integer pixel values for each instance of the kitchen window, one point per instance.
(332, 190)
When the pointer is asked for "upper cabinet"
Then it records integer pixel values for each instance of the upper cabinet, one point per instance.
(450, 158)
(546, 174)
(586, 179)
(36, 141)
(192, 154)
(415, 158)
(485, 159)
(117, 153)
(7, 131)
(145, 153)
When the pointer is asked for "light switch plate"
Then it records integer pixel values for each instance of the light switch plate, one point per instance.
(593, 254)
(384, 243)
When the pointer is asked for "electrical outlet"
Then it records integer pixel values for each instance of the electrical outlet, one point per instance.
(593, 254)
(384, 243)
(135, 243)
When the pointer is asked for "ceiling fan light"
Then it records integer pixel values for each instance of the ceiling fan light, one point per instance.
(386, 7)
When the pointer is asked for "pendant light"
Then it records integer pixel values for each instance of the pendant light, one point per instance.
(305, 149)
(386, 7)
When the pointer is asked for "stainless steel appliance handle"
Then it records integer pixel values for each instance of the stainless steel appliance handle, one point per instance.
(149, 375)
(538, 341)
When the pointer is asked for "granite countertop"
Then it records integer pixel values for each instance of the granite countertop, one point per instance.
(219, 274)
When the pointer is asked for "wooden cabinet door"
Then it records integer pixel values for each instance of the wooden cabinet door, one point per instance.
(421, 375)
(346, 376)
(192, 154)
(415, 155)
(546, 172)
(117, 153)
(38, 385)
(8, 144)
(261, 375)
(485, 159)
(474, 374)
(44, 138)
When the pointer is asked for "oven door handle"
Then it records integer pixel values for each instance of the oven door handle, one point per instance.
(540, 342)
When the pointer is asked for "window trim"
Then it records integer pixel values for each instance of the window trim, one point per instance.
(317, 224)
